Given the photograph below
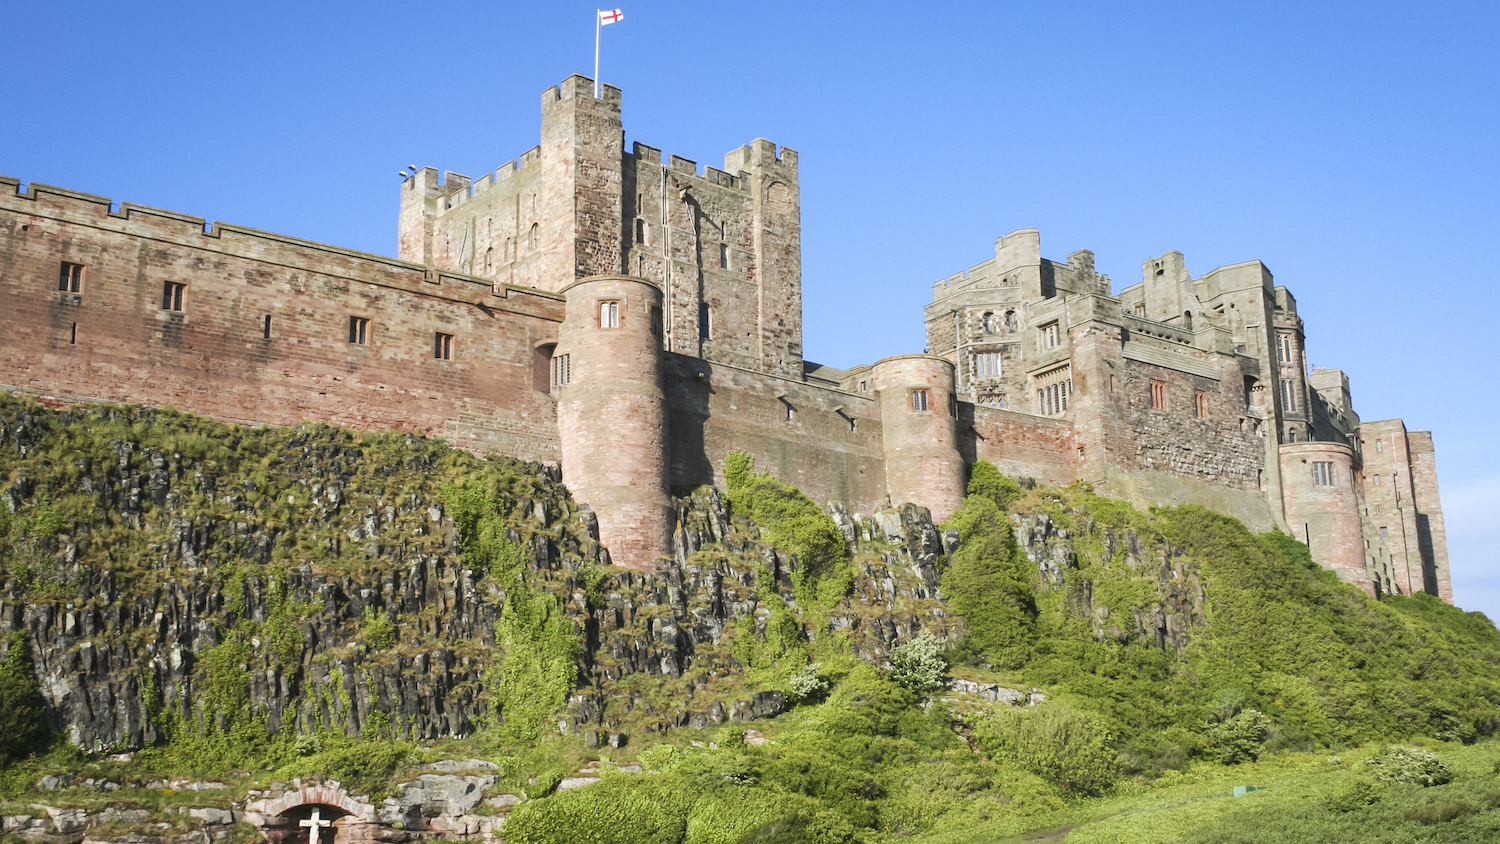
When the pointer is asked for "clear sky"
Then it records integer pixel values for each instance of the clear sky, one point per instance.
(1351, 146)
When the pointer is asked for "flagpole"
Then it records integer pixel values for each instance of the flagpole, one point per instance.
(596, 54)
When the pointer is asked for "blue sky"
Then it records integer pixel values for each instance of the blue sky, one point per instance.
(1351, 146)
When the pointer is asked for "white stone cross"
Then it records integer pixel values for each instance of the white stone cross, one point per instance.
(313, 823)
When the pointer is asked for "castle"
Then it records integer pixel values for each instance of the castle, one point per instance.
(634, 317)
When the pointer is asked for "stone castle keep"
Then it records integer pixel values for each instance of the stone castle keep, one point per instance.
(634, 318)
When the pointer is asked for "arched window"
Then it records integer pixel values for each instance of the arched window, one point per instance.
(534, 236)
(1010, 322)
(489, 259)
(989, 323)
(1187, 320)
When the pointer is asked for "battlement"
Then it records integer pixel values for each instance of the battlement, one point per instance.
(763, 154)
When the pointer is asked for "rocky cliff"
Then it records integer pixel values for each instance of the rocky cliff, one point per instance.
(169, 570)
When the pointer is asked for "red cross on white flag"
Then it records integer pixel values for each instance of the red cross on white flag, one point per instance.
(606, 17)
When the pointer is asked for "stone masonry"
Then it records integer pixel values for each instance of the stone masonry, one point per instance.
(487, 331)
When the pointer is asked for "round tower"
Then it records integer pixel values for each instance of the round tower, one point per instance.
(611, 413)
(917, 403)
(1321, 500)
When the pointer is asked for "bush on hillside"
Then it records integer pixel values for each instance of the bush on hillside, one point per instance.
(990, 583)
(987, 482)
(795, 524)
(1410, 766)
(23, 727)
(1240, 738)
(1064, 745)
(918, 665)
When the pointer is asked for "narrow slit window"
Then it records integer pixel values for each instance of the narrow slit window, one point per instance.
(1200, 403)
(442, 346)
(609, 314)
(359, 330)
(723, 256)
(171, 295)
(921, 400)
(265, 327)
(70, 278)
(534, 237)
(705, 321)
(1158, 395)
(655, 321)
(74, 339)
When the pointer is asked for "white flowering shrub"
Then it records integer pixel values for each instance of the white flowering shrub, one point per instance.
(917, 664)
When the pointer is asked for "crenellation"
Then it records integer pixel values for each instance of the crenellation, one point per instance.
(637, 321)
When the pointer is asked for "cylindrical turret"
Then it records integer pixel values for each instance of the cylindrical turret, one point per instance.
(922, 463)
(1322, 507)
(611, 413)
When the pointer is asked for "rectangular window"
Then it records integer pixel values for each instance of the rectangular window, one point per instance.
(70, 278)
(1377, 480)
(442, 346)
(562, 370)
(1377, 509)
(1289, 395)
(640, 232)
(723, 256)
(609, 314)
(171, 295)
(1284, 348)
(704, 321)
(359, 330)
(1384, 534)
(1200, 403)
(1140, 309)
(1158, 395)
(987, 365)
(920, 400)
(1380, 445)
(655, 321)
(1050, 337)
(1322, 473)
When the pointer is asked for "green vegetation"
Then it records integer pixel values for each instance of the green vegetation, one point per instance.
(23, 727)
(795, 524)
(1179, 654)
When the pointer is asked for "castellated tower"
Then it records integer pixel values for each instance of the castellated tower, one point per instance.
(918, 417)
(611, 414)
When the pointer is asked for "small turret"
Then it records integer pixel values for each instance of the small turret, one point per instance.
(917, 403)
(1320, 493)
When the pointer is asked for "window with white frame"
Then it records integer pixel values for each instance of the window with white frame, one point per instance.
(987, 365)
(1322, 472)
(609, 314)
(1049, 337)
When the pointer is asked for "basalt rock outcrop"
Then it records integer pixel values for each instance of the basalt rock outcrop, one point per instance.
(167, 570)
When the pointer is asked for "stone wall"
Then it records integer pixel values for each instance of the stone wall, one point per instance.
(263, 330)
(826, 442)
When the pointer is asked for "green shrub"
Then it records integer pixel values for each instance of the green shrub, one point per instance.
(989, 582)
(807, 685)
(1410, 765)
(1240, 738)
(363, 767)
(795, 524)
(918, 665)
(535, 665)
(986, 482)
(23, 725)
(1061, 744)
(618, 810)
(379, 631)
